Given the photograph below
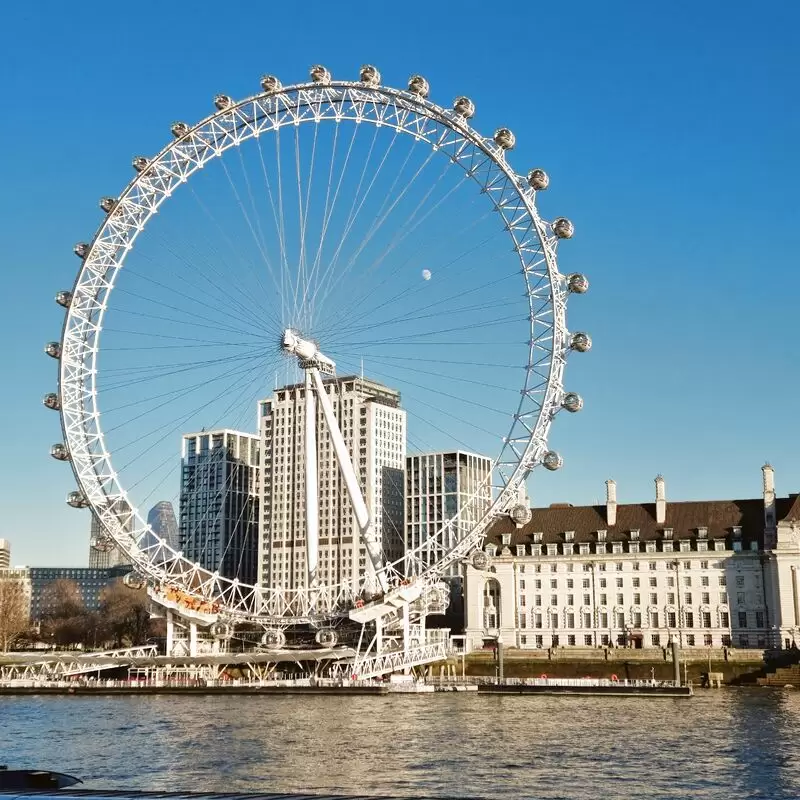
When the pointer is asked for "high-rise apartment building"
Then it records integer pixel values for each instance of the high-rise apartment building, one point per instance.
(162, 520)
(440, 487)
(218, 526)
(103, 553)
(374, 430)
(5, 554)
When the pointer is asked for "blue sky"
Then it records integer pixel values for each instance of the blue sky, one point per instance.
(670, 134)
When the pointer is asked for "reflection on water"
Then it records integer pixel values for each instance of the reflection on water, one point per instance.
(729, 743)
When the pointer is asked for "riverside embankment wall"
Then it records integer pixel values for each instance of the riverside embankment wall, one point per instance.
(736, 666)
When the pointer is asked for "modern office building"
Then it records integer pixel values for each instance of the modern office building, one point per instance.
(709, 574)
(164, 524)
(218, 526)
(374, 430)
(89, 581)
(5, 554)
(441, 487)
(103, 552)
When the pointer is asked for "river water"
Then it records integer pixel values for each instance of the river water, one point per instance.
(720, 744)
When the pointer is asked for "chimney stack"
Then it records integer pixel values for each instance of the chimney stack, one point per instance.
(769, 497)
(661, 500)
(611, 503)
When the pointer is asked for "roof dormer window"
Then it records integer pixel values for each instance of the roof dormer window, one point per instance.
(506, 538)
(537, 537)
(737, 531)
(601, 536)
(635, 535)
(520, 550)
(491, 550)
(667, 533)
(569, 536)
(702, 533)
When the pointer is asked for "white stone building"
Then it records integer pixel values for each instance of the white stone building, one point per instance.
(709, 573)
(374, 430)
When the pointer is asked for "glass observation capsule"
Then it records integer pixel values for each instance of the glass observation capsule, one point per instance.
(108, 204)
(552, 461)
(326, 637)
(220, 630)
(140, 163)
(581, 342)
(179, 129)
(480, 560)
(464, 107)
(320, 74)
(222, 101)
(51, 401)
(572, 402)
(273, 638)
(563, 228)
(53, 349)
(59, 452)
(419, 86)
(538, 179)
(504, 138)
(64, 298)
(269, 83)
(77, 499)
(578, 283)
(101, 543)
(81, 249)
(369, 75)
(133, 580)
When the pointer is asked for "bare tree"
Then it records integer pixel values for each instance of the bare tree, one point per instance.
(14, 611)
(65, 620)
(124, 614)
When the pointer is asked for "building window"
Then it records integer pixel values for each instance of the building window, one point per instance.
(571, 640)
(704, 598)
(554, 583)
(744, 640)
(706, 619)
(537, 620)
(520, 550)
(569, 583)
(555, 640)
(601, 536)
(653, 599)
(654, 619)
(618, 566)
(708, 640)
(759, 619)
(650, 547)
(587, 640)
(522, 586)
(602, 583)
(523, 640)
(636, 582)
(619, 583)
(537, 600)
(616, 547)
(656, 639)
(687, 598)
(569, 536)
(539, 641)
(689, 619)
(740, 598)
(724, 619)
(604, 640)
(554, 621)
(671, 620)
(690, 639)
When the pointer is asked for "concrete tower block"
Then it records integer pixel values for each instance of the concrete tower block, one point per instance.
(661, 500)
(611, 502)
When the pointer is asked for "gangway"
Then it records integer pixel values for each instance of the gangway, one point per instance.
(398, 660)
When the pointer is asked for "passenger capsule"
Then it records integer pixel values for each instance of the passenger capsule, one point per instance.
(577, 283)
(51, 401)
(179, 129)
(81, 249)
(222, 101)
(319, 74)
(221, 630)
(53, 349)
(273, 638)
(133, 580)
(140, 163)
(327, 637)
(480, 560)
(59, 452)
(371, 77)
(64, 298)
(77, 499)
(572, 402)
(269, 83)
(108, 204)
(464, 107)
(419, 86)
(538, 179)
(552, 461)
(563, 228)
(504, 138)
(581, 342)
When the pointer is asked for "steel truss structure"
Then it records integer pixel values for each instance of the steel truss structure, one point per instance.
(321, 100)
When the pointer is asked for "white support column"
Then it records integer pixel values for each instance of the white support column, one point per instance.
(170, 633)
(193, 639)
(312, 483)
(374, 573)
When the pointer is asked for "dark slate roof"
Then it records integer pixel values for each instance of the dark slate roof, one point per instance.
(719, 517)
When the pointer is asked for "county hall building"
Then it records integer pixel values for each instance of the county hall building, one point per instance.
(719, 573)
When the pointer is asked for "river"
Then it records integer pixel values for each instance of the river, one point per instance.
(720, 744)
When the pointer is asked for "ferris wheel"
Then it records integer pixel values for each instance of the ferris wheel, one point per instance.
(327, 228)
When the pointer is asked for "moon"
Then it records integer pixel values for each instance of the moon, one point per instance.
(426, 274)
